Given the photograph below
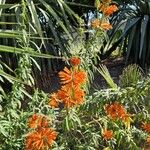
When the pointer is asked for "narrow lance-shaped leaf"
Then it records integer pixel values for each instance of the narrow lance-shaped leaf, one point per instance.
(52, 28)
(10, 34)
(6, 6)
(28, 51)
(70, 11)
(64, 15)
(105, 73)
(57, 18)
(10, 78)
(130, 41)
(1, 3)
(143, 30)
(35, 18)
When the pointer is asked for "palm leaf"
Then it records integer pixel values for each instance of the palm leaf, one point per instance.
(143, 31)
(28, 51)
(54, 14)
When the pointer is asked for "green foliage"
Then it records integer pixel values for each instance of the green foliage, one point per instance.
(106, 75)
(82, 127)
(78, 128)
(18, 37)
(135, 101)
(130, 76)
(44, 34)
(133, 20)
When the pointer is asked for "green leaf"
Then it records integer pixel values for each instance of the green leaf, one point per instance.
(3, 131)
(106, 75)
(35, 18)
(96, 3)
(10, 34)
(6, 6)
(54, 14)
(26, 93)
(70, 11)
(64, 15)
(54, 32)
(9, 77)
(29, 51)
(130, 41)
(143, 30)
(129, 25)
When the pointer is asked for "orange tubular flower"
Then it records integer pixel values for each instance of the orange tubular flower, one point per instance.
(37, 121)
(110, 10)
(76, 77)
(107, 134)
(75, 61)
(115, 111)
(40, 139)
(70, 93)
(71, 96)
(101, 7)
(65, 76)
(79, 77)
(95, 23)
(54, 101)
(146, 127)
(106, 25)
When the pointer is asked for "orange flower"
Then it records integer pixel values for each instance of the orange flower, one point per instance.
(107, 134)
(101, 7)
(106, 25)
(65, 76)
(95, 23)
(74, 61)
(40, 139)
(79, 77)
(98, 24)
(76, 77)
(146, 127)
(110, 9)
(71, 96)
(115, 111)
(70, 93)
(37, 121)
(148, 140)
(54, 101)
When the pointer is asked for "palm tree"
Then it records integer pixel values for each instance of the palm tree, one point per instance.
(133, 20)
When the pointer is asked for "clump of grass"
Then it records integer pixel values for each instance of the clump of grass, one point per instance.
(130, 75)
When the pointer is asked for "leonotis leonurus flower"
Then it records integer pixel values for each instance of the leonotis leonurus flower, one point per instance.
(75, 61)
(37, 121)
(107, 134)
(41, 136)
(115, 111)
(106, 8)
(40, 139)
(146, 127)
(71, 92)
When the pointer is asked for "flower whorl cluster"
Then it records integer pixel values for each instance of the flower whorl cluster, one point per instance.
(41, 137)
(71, 92)
(107, 9)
